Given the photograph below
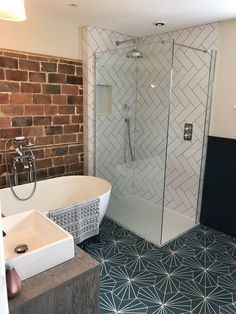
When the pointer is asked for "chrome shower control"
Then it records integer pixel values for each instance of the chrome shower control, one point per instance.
(188, 131)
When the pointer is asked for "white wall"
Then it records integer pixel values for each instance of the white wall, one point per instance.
(223, 117)
(44, 35)
(3, 293)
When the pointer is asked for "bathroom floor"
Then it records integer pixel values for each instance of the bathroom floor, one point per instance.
(195, 273)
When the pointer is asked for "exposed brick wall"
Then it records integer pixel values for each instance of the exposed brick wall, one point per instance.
(41, 97)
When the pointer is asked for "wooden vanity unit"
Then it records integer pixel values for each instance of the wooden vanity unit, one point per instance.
(69, 288)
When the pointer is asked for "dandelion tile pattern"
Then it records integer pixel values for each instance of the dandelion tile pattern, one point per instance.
(195, 273)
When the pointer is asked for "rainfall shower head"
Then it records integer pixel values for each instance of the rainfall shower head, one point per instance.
(134, 53)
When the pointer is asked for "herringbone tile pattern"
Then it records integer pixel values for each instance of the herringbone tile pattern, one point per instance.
(150, 111)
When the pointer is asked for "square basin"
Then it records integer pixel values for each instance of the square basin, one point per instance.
(48, 244)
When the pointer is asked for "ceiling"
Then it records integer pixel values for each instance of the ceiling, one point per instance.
(136, 17)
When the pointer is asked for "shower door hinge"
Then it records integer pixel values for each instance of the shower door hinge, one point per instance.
(188, 131)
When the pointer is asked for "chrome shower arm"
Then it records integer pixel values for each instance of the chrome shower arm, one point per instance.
(133, 40)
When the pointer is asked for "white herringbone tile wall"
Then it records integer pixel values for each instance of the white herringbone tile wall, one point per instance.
(188, 104)
(152, 107)
(115, 69)
(94, 40)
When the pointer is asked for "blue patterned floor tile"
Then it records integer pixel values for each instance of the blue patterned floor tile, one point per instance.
(158, 302)
(107, 259)
(206, 300)
(139, 257)
(110, 304)
(195, 273)
(206, 273)
(173, 254)
(228, 309)
(107, 284)
(168, 278)
(128, 282)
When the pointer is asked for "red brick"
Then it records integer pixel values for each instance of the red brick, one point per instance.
(29, 65)
(58, 161)
(16, 75)
(6, 62)
(67, 109)
(79, 110)
(80, 138)
(70, 159)
(21, 98)
(79, 70)
(75, 149)
(30, 88)
(66, 68)
(15, 54)
(43, 163)
(11, 132)
(51, 89)
(3, 169)
(77, 119)
(74, 128)
(69, 61)
(2, 144)
(76, 167)
(81, 91)
(56, 78)
(4, 98)
(51, 110)
(34, 110)
(47, 151)
(72, 79)
(9, 87)
(53, 130)
(37, 77)
(48, 67)
(42, 99)
(2, 76)
(12, 110)
(59, 99)
(5, 122)
(38, 153)
(75, 100)
(22, 121)
(81, 127)
(56, 171)
(33, 131)
(70, 89)
(59, 151)
(61, 120)
(45, 140)
(68, 138)
(42, 58)
(43, 120)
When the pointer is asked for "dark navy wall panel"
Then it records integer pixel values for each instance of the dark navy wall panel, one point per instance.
(219, 191)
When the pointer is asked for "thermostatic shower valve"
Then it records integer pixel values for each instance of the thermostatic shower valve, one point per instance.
(188, 131)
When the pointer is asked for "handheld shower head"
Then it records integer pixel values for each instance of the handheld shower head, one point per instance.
(127, 110)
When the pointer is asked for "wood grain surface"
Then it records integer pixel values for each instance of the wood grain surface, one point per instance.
(69, 288)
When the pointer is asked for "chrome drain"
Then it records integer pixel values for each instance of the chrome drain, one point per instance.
(21, 248)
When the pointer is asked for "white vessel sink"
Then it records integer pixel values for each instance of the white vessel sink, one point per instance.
(48, 244)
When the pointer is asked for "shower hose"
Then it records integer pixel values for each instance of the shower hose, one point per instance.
(128, 137)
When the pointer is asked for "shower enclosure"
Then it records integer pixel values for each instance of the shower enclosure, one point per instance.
(152, 117)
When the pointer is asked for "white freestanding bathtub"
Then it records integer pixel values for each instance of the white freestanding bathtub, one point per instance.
(56, 193)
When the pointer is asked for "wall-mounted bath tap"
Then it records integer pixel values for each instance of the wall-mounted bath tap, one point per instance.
(25, 159)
